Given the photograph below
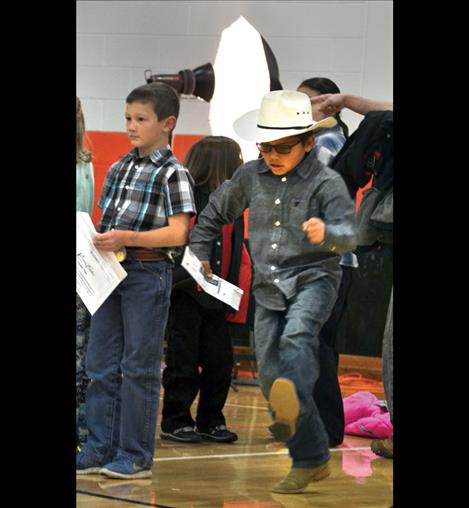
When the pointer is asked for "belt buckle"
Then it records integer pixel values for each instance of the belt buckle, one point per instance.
(121, 254)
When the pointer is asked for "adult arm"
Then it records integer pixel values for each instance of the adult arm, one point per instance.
(330, 104)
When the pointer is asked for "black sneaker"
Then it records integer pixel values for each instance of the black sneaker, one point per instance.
(271, 430)
(220, 434)
(182, 435)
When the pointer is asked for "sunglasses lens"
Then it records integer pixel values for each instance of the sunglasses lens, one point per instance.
(282, 149)
(264, 148)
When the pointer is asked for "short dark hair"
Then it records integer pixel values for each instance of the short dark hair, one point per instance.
(212, 160)
(163, 98)
(303, 137)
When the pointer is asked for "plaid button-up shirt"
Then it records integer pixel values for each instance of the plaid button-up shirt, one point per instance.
(139, 194)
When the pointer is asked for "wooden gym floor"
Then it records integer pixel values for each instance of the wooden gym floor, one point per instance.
(240, 474)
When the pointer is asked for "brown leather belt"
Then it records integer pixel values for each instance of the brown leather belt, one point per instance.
(145, 254)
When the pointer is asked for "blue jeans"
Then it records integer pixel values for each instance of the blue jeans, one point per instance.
(123, 362)
(388, 364)
(287, 345)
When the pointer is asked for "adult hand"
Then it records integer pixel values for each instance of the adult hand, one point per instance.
(329, 103)
(315, 230)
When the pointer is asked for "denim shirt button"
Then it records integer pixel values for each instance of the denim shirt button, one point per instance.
(277, 201)
(272, 267)
(276, 281)
(274, 246)
(277, 223)
(284, 179)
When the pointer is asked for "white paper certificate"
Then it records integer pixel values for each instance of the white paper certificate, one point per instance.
(216, 286)
(98, 272)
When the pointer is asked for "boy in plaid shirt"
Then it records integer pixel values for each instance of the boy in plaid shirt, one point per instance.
(147, 201)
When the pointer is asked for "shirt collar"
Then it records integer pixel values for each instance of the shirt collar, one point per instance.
(154, 156)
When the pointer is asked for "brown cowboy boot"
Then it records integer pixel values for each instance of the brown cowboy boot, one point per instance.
(383, 447)
(285, 407)
(298, 478)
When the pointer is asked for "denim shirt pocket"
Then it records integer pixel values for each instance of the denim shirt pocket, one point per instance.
(300, 211)
(303, 209)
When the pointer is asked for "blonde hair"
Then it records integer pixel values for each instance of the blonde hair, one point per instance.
(82, 155)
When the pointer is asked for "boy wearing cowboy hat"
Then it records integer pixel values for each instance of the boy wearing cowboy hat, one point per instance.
(301, 218)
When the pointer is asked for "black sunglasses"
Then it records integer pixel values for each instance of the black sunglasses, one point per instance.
(282, 149)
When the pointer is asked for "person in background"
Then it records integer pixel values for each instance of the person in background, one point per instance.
(301, 218)
(147, 202)
(331, 104)
(385, 447)
(84, 197)
(328, 141)
(198, 334)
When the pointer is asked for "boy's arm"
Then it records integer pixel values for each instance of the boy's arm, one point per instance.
(225, 205)
(173, 235)
(336, 230)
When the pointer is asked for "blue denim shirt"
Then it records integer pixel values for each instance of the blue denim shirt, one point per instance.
(282, 255)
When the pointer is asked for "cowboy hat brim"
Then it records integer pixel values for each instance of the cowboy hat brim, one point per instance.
(246, 128)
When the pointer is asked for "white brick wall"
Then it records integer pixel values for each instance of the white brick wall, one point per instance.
(349, 42)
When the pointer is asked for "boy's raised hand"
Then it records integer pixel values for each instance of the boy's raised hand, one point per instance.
(315, 230)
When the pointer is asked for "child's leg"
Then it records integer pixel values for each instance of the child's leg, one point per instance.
(299, 362)
(103, 368)
(82, 338)
(181, 375)
(268, 326)
(145, 304)
(216, 360)
(327, 394)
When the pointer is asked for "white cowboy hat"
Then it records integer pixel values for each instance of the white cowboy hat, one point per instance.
(282, 113)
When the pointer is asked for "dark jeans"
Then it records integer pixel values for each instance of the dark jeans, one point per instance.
(123, 362)
(287, 345)
(361, 329)
(83, 318)
(327, 394)
(388, 355)
(197, 337)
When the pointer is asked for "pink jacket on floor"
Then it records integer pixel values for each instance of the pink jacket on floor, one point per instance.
(364, 416)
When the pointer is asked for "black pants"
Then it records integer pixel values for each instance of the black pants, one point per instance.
(361, 328)
(197, 337)
(327, 394)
